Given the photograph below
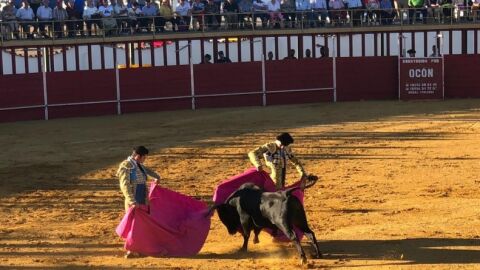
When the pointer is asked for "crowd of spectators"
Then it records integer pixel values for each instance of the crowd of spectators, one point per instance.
(73, 18)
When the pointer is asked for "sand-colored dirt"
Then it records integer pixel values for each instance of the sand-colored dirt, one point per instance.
(399, 190)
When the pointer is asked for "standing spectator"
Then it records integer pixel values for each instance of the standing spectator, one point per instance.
(355, 10)
(198, 10)
(166, 15)
(183, 11)
(149, 12)
(386, 12)
(245, 13)
(10, 20)
(276, 18)
(59, 16)
(414, 7)
(230, 13)
(26, 18)
(35, 4)
(320, 11)
(45, 16)
(222, 58)
(78, 7)
(288, 11)
(133, 174)
(91, 16)
(211, 12)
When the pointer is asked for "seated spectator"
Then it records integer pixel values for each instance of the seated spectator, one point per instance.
(411, 53)
(245, 18)
(211, 13)
(373, 10)
(109, 23)
(291, 55)
(434, 10)
(337, 12)
(355, 10)
(149, 11)
(198, 10)
(260, 9)
(416, 6)
(91, 16)
(120, 12)
(308, 53)
(270, 56)
(447, 10)
(134, 13)
(222, 58)
(45, 17)
(74, 22)
(183, 13)
(26, 18)
(166, 15)
(400, 6)
(387, 12)
(320, 12)
(276, 17)
(475, 9)
(230, 13)
(10, 20)
(304, 12)
(324, 52)
(59, 17)
(288, 11)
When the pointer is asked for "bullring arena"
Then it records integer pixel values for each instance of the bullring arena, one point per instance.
(398, 189)
(398, 185)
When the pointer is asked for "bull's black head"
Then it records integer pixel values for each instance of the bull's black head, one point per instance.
(229, 217)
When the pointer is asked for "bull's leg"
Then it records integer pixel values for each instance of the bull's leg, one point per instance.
(313, 240)
(256, 232)
(247, 228)
(293, 237)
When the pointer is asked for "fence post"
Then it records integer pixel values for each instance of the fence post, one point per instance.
(117, 83)
(192, 84)
(334, 60)
(264, 88)
(44, 78)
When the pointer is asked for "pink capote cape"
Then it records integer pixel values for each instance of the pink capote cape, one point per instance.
(261, 179)
(176, 226)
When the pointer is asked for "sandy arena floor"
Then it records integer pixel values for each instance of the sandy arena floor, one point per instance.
(399, 190)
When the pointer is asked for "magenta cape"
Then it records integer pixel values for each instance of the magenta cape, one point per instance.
(261, 179)
(176, 225)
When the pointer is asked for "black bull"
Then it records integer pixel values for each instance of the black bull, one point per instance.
(250, 208)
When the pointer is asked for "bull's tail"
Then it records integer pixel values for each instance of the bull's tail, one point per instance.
(211, 209)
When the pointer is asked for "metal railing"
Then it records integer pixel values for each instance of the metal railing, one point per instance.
(252, 21)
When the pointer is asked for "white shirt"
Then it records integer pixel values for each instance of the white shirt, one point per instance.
(183, 10)
(44, 13)
(89, 11)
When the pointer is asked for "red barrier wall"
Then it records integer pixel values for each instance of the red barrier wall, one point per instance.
(367, 78)
(461, 76)
(299, 74)
(22, 115)
(81, 86)
(228, 78)
(155, 82)
(21, 90)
